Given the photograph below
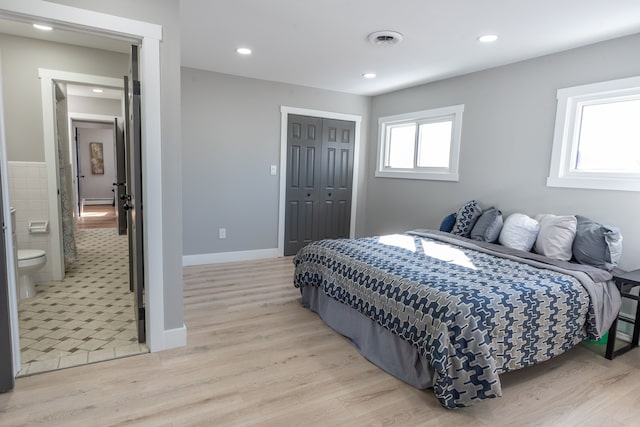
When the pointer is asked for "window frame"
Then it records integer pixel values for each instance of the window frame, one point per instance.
(562, 173)
(418, 118)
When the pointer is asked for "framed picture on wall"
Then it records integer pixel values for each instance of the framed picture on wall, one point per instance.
(97, 158)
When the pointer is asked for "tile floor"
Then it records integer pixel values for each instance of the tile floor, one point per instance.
(87, 317)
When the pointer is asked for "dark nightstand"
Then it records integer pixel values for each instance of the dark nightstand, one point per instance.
(625, 283)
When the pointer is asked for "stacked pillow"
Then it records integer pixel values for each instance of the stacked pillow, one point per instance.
(466, 218)
(596, 244)
(561, 237)
(519, 232)
(488, 226)
(556, 235)
(448, 222)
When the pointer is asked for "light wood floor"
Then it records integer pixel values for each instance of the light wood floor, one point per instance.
(98, 216)
(255, 357)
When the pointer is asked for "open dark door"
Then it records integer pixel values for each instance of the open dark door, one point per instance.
(6, 342)
(119, 187)
(133, 195)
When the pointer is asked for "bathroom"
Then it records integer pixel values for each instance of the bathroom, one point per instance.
(34, 198)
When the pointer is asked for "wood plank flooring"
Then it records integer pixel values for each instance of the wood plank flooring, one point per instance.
(256, 358)
(98, 216)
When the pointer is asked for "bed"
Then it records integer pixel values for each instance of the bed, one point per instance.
(442, 311)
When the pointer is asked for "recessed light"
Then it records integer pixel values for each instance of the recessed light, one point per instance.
(42, 27)
(488, 38)
(369, 75)
(98, 90)
(243, 51)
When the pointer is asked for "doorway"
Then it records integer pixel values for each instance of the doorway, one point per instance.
(150, 35)
(89, 315)
(319, 180)
(97, 192)
(96, 164)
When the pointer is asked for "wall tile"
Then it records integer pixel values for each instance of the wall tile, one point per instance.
(28, 193)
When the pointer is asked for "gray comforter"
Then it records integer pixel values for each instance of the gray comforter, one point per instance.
(473, 312)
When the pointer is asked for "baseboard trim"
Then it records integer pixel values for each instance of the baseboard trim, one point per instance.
(97, 201)
(216, 258)
(174, 338)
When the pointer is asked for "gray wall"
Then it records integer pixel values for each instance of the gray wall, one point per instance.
(231, 135)
(91, 105)
(21, 58)
(165, 13)
(507, 135)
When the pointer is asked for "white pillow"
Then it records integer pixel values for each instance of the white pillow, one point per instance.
(519, 232)
(555, 238)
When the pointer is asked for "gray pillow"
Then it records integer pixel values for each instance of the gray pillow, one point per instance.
(488, 226)
(466, 218)
(596, 244)
(556, 235)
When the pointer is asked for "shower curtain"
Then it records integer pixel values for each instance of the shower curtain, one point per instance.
(65, 173)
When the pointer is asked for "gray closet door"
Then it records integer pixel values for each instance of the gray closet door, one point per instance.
(319, 180)
(336, 178)
(304, 146)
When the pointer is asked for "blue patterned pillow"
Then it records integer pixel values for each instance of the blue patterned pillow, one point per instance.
(448, 222)
(466, 218)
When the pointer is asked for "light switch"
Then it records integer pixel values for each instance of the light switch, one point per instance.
(274, 169)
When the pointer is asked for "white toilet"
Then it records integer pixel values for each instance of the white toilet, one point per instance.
(29, 261)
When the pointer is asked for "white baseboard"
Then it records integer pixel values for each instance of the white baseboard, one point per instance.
(97, 201)
(216, 258)
(174, 338)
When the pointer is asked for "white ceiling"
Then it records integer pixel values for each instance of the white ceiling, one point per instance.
(322, 43)
(87, 91)
(61, 35)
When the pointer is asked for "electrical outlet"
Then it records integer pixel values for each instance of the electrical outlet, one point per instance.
(274, 169)
(222, 233)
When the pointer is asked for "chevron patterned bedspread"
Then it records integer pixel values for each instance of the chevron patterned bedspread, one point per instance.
(473, 315)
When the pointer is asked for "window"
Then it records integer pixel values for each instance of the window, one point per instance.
(421, 145)
(597, 137)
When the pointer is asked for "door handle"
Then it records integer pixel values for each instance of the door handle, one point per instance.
(119, 184)
(126, 205)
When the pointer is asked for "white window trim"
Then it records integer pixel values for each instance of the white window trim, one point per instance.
(438, 174)
(561, 173)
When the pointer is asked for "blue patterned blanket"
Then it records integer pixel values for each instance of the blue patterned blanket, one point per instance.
(472, 314)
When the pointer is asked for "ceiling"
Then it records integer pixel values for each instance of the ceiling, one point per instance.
(323, 43)
(88, 91)
(61, 35)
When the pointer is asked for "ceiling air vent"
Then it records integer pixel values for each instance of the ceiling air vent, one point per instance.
(385, 38)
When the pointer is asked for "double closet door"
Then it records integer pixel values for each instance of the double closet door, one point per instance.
(319, 180)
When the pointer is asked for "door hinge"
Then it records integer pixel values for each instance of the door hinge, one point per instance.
(136, 87)
(141, 313)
